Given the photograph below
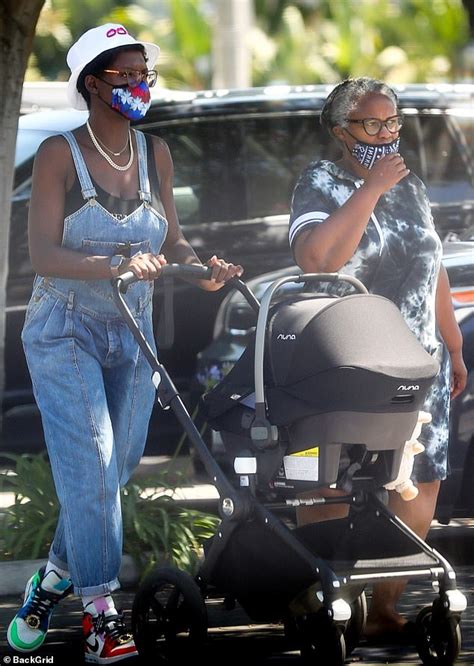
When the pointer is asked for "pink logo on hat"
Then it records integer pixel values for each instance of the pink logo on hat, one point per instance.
(116, 31)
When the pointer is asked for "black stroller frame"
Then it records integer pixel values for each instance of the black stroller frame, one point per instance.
(330, 606)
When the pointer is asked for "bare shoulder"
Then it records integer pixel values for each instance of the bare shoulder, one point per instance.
(54, 152)
(160, 147)
(54, 145)
(158, 142)
(54, 165)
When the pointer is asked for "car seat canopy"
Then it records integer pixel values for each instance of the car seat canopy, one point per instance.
(351, 354)
(363, 332)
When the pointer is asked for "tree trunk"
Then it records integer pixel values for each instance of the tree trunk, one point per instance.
(18, 20)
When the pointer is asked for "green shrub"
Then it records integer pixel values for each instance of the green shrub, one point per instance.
(28, 525)
(156, 527)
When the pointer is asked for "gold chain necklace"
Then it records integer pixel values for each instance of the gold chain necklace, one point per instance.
(111, 151)
(97, 145)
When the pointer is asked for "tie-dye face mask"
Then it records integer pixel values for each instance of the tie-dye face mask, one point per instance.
(367, 153)
(132, 103)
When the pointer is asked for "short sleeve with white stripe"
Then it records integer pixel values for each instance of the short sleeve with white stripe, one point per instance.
(309, 204)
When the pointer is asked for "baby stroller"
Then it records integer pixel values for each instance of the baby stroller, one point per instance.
(326, 395)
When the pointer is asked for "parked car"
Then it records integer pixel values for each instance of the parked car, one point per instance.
(237, 155)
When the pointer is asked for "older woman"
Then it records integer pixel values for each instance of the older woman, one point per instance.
(368, 216)
(101, 204)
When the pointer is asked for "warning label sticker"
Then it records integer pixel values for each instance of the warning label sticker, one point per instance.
(303, 465)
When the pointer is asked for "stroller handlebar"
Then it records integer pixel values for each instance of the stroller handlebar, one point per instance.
(169, 270)
(123, 282)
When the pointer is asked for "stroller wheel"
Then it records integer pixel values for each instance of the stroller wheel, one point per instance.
(169, 617)
(439, 642)
(356, 625)
(321, 640)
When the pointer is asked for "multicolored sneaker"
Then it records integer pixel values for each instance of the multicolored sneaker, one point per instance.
(106, 639)
(30, 625)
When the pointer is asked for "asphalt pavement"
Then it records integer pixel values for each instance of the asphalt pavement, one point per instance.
(233, 638)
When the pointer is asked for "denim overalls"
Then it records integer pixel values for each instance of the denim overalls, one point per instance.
(91, 382)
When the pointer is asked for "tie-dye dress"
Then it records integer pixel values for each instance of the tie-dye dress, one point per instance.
(398, 257)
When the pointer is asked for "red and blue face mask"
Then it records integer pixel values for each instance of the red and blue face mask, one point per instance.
(131, 102)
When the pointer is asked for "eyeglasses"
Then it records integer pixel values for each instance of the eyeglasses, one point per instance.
(373, 125)
(135, 76)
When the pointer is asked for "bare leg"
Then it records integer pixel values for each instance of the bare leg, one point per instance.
(417, 514)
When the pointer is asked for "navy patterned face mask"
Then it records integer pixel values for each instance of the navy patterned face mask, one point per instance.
(367, 153)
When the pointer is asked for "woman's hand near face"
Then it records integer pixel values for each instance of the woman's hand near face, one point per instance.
(386, 172)
(144, 266)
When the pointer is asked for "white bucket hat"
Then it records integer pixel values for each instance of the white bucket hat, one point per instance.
(90, 45)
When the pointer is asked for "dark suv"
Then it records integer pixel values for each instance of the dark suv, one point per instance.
(237, 155)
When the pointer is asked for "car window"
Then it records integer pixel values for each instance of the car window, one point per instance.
(277, 149)
(436, 148)
(209, 180)
(241, 167)
(245, 167)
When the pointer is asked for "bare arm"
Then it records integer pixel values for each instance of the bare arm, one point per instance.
(51, 171)
(176, 248)
(329, 245)
(450, 332)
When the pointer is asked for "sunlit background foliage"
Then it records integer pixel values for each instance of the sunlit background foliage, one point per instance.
(305, 41)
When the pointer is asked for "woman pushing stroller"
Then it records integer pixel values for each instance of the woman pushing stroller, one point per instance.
(102, 204)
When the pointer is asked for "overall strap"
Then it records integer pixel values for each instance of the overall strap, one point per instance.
(144, 191)
(87, 188)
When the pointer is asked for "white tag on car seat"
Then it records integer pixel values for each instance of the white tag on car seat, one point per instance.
(303, 465)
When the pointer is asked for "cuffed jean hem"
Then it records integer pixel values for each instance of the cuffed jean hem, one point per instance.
(57, 562)
(105, 588)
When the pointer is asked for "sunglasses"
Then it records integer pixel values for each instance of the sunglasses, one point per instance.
(134, 77)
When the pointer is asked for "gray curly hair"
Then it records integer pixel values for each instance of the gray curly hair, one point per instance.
(344, 98)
